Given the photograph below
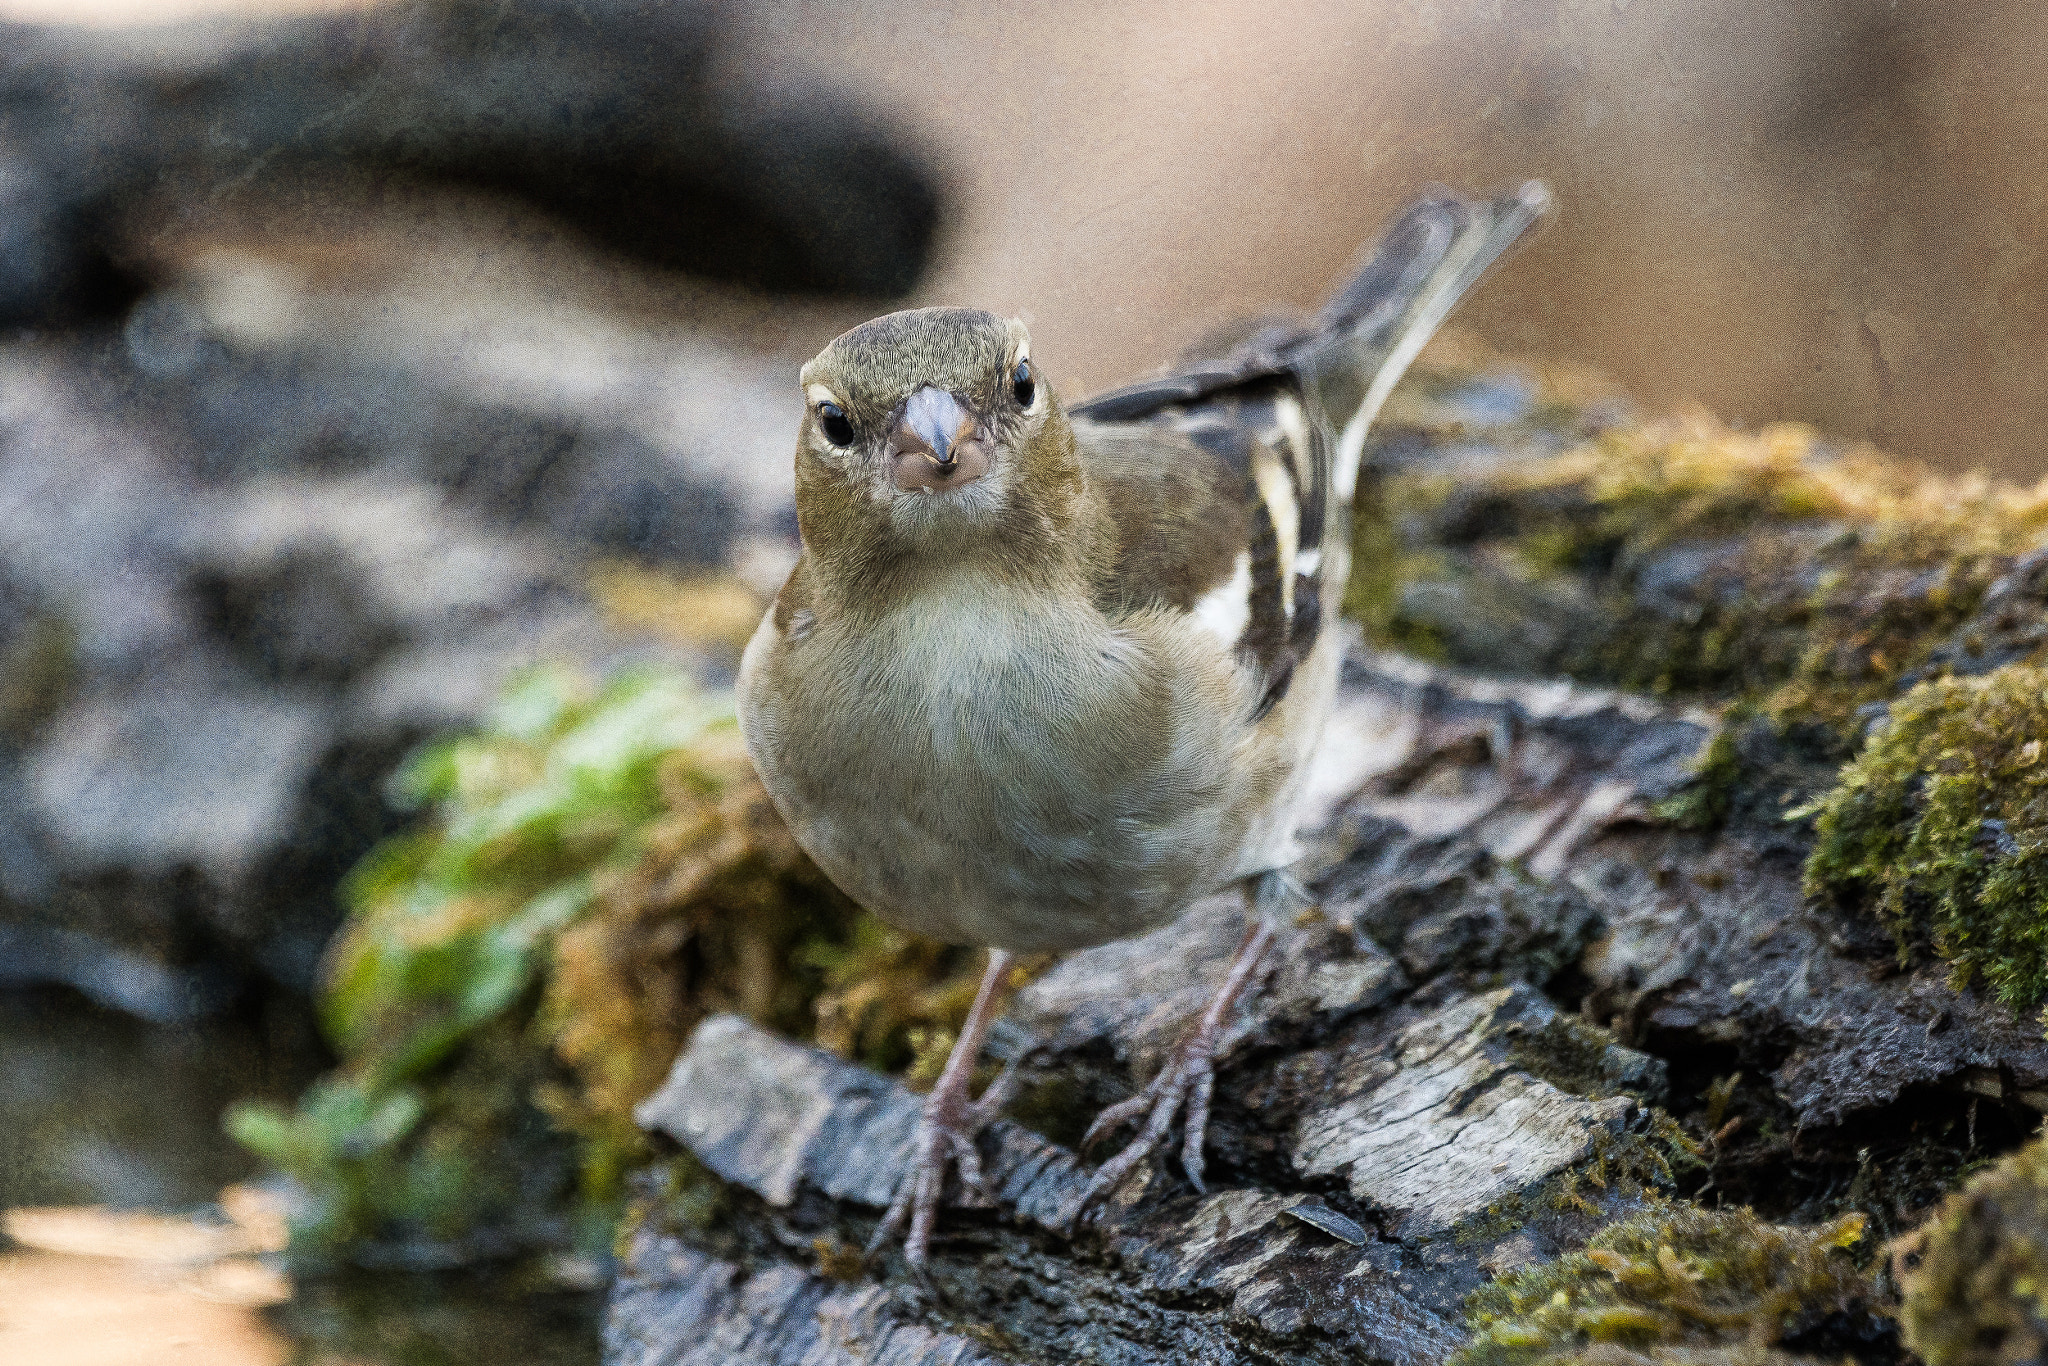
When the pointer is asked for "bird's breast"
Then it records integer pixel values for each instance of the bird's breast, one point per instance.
(1022, 773)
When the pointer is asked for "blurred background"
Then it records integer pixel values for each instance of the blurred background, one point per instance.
(354, 358)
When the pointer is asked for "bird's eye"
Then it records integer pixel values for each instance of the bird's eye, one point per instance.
(1022, 385)
(832, 421)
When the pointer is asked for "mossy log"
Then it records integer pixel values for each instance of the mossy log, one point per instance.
(1403, 1114)
(1577, 1025)
(1974, 1289)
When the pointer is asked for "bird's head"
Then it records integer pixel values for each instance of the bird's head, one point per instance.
(930, 433)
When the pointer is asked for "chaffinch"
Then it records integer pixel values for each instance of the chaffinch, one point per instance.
(1044, 676)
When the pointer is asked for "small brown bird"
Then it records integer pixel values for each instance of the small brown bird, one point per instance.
(1042, 677)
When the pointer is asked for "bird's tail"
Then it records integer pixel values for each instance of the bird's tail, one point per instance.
(1348, 358)
(1365, 338)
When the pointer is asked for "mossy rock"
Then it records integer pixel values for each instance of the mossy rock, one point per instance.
(1682, 1284)
(1977, 1294)
(1586, 1060)
(1941, 823)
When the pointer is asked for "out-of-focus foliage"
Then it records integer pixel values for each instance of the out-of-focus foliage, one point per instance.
(1675, 1283)
(697, 610)
(598, 869)
(1976, 1293)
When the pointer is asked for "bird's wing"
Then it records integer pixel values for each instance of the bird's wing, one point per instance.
(1230, 481)
(1219, 512)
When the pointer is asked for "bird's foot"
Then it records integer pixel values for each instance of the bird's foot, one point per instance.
(946, 1129)
(945, 1140)
(1186, 1081)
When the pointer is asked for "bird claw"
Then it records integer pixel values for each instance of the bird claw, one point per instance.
(946, 1130)
(1186, 1081)
(945, 1139)
(1123, 1112)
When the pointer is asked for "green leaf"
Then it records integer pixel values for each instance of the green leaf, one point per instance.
(265, 1130)
(393, 1119)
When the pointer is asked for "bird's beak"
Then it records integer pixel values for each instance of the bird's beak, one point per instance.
(935, 445)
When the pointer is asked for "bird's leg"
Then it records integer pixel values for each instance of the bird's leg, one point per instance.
(1190, 1073)
(945, 1133)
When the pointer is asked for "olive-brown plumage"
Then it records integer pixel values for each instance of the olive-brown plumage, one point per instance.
(1041, 678)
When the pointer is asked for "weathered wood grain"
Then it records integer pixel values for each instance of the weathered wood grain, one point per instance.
(1437, 1127)
(780, 1120)
(677, 1306)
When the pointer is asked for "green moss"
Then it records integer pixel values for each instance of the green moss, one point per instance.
(1941, 823)
(1633, 1165)
(1685, 557)
(1704, 802)
(1622, 1171)
(37, 668)
(1851, 566)
(1381, 568)
(430, 1129)
(1976, 1282)
(884, 989)
(1672, 1283)
(1056, 1107)
(691, 1196)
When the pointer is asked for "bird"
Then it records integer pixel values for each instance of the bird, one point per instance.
(1044, 676)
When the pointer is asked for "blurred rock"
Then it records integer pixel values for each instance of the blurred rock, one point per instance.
(603, 433)
(275, 528)
(193, 766)
(626, 120)
(110, 1107)
(287, 522)
(208, 684)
